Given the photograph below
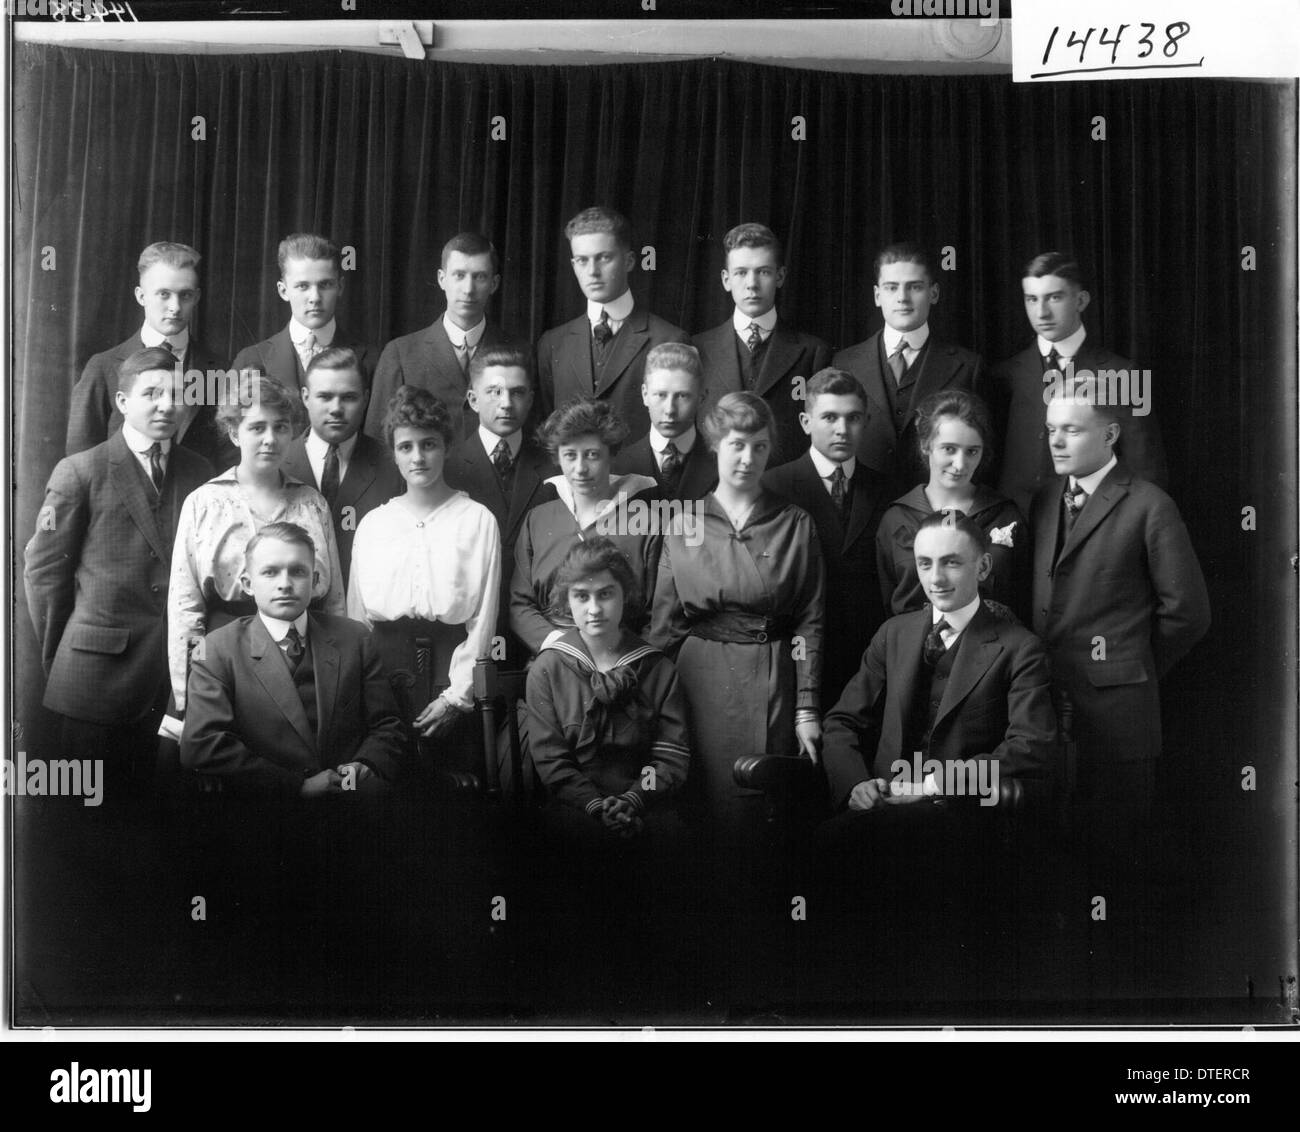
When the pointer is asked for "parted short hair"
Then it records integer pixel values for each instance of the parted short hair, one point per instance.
(834, 382)
(751, 235)
(745, 412)
(588, 557)
(280, 532)
(144, 361)
(307, 245)
(413, 407)
(584, 417)
(471, 243)
(599, 219)
(675, 355)
(952, 518)
(905, 251)
(336, 358)
(173, 255)
(1089, 389)
(1055, 263)
(512, 357)
(254, 388)
(966, 407)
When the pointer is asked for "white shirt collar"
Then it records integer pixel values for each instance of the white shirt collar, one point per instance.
(915, 338)
(958, 619)
(1066, 347)
(318, 448)
(826, 467)
(619, 309)
(150, 337)
(1091, 482)
(683, 443)
(628, 485)
(470, 337)
(280, 629)
(741, 321)
(490, 440)
(139, 443)
(299, 333)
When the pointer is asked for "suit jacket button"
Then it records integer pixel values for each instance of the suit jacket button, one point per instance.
(154, 588)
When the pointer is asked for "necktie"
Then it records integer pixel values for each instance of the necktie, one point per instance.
(309, 350)
(1052, 361)
(156, 470)
(934, 648)
(503, 464)
(463, 355)
(898, 363)
(1075, 498)
(329, 480)
(170, 346)
(838, 495)
(755, 339)
(293, 648)
(602, 331)
(671, 468)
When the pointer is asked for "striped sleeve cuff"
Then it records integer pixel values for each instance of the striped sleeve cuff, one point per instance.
(807, 715)
(638, 803)
(594, 805)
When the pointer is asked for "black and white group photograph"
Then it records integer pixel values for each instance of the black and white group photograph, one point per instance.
(648, 515)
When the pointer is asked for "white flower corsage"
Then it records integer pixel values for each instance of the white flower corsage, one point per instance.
(1004, 536)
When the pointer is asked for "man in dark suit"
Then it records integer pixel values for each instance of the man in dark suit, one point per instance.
(673, 452)
(902, 364)
(437, 358)
(311, 282)
(846, 500)
(354, 472)
(602, 353)
(97, 572)
(1118, 598)
(499, 467)
(949, 702)
(754, 349)
(169, 293)
(287, 704)
(1055, 300)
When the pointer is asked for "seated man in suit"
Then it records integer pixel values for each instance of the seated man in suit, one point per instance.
(98, 568)
(1118, 598)
(950, 701)
(753, 349)
(354, 472)
(438, 357)
(169, 293)
(287, 704)
(311, 282)
(602, 353)
(499, 466)
(846, 500)
(673, 452)
(902, 364)
(1055, 299)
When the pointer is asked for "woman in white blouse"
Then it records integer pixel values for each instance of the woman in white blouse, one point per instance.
(426, 569)
(220, 518)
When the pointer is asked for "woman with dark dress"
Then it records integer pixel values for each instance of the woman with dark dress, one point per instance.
(582, 438)
(739, 603)
(956, 436)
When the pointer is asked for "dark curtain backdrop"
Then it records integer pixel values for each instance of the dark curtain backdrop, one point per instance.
(392, 157)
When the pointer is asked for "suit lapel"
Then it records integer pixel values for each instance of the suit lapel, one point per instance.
(873, 379)
(780, 357)
(978, 650)
(1111, 490)
(129, 482)
(267, 662)
(528, 479)
(700, 471)
(862, 504)
(633, 334)
(439, 354)
(297, 464)
(283, 360)
(903, 672)
(325, 660)
(812, 495)
(937, 368)
(361, 472)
